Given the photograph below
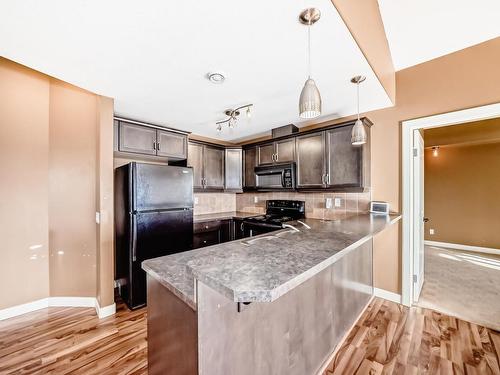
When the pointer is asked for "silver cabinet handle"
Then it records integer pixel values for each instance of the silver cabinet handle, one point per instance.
(158, 146)
(276, 156)
(154, 145)
(328, 178)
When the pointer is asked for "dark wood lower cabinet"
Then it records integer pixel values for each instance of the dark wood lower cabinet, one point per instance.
(213, 232)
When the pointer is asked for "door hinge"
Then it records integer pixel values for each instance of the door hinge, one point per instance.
(415, 278)
(415, 152)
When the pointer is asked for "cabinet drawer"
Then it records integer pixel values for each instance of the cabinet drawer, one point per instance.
(205, 239)
(207, 226)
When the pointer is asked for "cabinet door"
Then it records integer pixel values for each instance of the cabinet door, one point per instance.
(137, 139)
(206, 239)
(343, 160)
(172, 145)
(250, 163)
(310, 160)
(234, 169)
(285, 150)
(266, 153)
(213, 167)
(195, 160)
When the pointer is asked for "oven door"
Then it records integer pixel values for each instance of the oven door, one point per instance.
(254, 229)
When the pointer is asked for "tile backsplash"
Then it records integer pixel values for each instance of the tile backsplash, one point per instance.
(209, 203)
(348, 203)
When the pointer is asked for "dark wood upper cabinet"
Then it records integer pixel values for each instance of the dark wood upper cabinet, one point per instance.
(208, 166)
(311, 160)
(213, 167)
(343, 160)
(136, 138)
(171, 145)
(285, 150)
(195, 160)
(266, 153)
(234, 169)
(327, 160)
(250, 162)
(277, 152)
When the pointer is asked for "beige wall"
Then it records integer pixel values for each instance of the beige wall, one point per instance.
(24, 184)
(72, 179)
(104, 203)
(461, 195)
(48, 148)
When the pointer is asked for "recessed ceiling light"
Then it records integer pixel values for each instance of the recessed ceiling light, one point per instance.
(216, 77)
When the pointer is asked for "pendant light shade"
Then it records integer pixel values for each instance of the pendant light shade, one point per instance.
(310, 100)
(358, 135)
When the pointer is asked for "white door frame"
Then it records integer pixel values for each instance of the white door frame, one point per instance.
(450, 118)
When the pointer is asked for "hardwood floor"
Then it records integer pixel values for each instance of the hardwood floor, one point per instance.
(388, 339)
(393, 339)
(74, 340)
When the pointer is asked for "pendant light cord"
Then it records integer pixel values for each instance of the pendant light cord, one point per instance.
(309, 47)
(357, 85)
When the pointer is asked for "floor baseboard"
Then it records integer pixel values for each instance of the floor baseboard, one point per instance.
(103, 312)
(476, 249)
(43, 303)
(24, 308)
(385, 294)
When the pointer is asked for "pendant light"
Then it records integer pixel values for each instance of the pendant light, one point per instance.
(310, 99)
(358, 135)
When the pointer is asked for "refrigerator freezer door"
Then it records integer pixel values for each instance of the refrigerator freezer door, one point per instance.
(156, 234)
(160, 187)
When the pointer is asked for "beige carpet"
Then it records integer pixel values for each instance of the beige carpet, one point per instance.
(462, 284)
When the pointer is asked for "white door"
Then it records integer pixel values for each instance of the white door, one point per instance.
(418, 214)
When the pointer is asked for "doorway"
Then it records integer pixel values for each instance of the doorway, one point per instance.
(413, 259)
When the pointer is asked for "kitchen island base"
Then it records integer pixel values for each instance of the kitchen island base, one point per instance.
(294, 334)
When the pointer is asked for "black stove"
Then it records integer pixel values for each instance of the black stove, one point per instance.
(278, 212)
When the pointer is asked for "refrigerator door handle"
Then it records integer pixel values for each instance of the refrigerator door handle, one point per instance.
(134, 237)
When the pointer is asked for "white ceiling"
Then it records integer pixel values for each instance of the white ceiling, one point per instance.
(153, 57)
(421, 30)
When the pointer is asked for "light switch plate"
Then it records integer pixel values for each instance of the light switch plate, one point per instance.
(431, 231)
(97, 217)
(338, 202)
(196, 200)
(255, 199)
(329, 203)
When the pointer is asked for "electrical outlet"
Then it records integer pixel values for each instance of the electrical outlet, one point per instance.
(329, 203)
(338, 202)
(196, 200)
(255, 199)
(431, 231)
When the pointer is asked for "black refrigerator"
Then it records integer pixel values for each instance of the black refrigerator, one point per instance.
(153, 217)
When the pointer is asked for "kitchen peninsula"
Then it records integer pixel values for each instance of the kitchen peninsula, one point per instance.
(277, 303)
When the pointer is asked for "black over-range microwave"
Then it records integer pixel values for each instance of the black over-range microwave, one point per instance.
(275, 177)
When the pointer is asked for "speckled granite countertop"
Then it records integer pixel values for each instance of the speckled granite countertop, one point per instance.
(223, 216)
(263, 268)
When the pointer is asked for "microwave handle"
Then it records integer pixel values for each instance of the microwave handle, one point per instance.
(283, 178)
